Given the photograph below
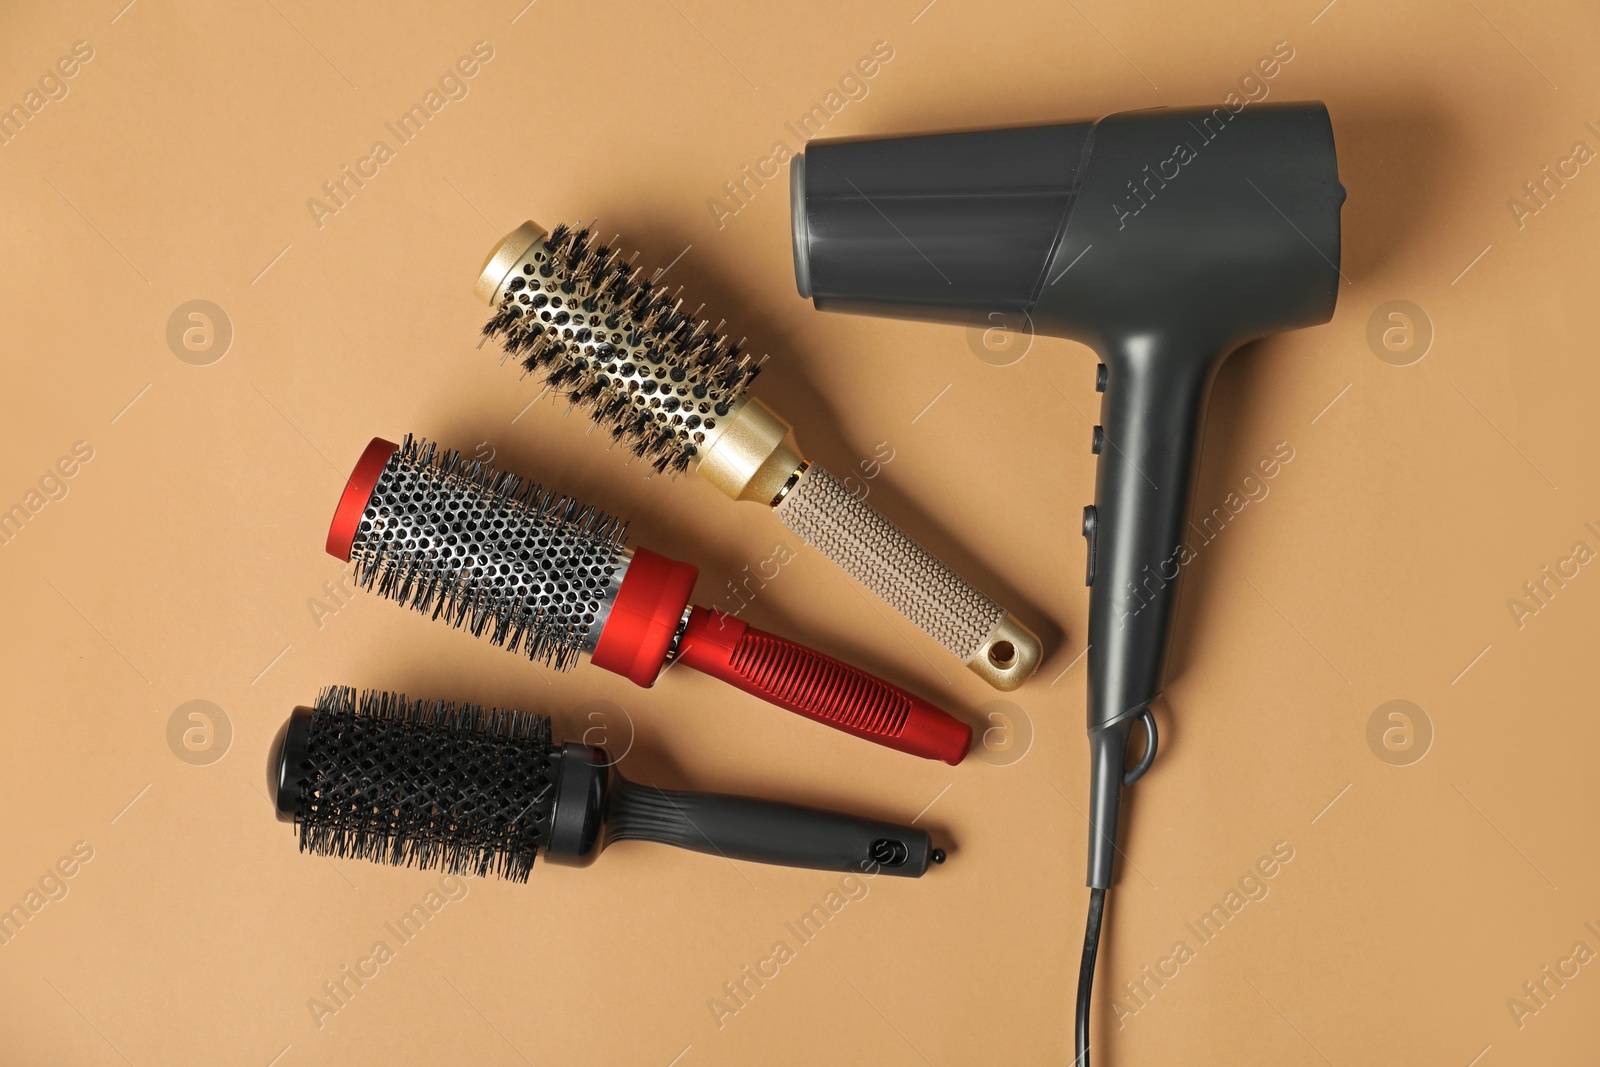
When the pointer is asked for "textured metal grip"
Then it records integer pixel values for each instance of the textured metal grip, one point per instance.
(879, 555)
(805, 681)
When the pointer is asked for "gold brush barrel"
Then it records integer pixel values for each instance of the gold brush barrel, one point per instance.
(606, 339)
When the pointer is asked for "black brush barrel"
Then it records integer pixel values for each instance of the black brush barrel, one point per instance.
(421, 783)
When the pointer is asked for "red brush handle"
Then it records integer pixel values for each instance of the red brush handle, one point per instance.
(819, 687)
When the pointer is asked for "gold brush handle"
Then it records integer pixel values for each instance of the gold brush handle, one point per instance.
(753, 458)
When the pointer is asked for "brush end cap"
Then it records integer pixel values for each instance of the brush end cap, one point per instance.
(286, 764)
(1008, 656)
(504, 258)
(357, 491)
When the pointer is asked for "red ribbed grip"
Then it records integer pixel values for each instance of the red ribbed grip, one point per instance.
(819, 687)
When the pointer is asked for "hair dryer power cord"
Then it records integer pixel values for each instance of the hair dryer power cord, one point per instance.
(1097, 896)
(1091, 946)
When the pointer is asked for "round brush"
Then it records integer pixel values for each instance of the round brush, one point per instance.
(675, 390)
(544, 575)
(426, 783)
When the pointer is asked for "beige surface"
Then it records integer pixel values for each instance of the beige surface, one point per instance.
(183, 562)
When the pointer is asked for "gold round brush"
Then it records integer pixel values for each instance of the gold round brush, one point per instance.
(578, 314)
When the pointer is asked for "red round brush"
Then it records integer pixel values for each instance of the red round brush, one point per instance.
(544, 575)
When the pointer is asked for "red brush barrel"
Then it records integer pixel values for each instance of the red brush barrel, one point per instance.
(819, 687)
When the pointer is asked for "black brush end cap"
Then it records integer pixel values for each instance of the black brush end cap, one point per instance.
(286, 764)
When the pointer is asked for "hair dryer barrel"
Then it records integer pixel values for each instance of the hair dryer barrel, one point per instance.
(948, 227)
(1179, 218)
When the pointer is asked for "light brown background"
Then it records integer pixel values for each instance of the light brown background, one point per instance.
(182, 563)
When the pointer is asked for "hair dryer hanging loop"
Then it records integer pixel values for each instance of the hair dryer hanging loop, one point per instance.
(1150, 739)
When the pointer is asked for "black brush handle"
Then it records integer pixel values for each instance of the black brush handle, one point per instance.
(765, 831)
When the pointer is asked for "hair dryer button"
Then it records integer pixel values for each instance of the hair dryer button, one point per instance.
(1091, 522)
(1098, 441)
(1100, 373)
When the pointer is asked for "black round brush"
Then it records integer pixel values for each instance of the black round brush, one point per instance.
(472, 791)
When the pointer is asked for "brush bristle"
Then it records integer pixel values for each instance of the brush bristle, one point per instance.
(508, 560)
(425, 783)
(613, 343)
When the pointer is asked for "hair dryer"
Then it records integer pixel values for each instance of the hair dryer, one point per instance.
(1163, 239)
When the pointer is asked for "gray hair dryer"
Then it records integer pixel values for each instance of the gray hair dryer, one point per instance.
(1163, 239)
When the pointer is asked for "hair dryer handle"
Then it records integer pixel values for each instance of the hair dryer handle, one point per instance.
(878, 554)
(1137, 547)
(765, 831)
(804, 681)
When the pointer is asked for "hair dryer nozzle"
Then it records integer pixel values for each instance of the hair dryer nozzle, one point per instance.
(950, 227)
